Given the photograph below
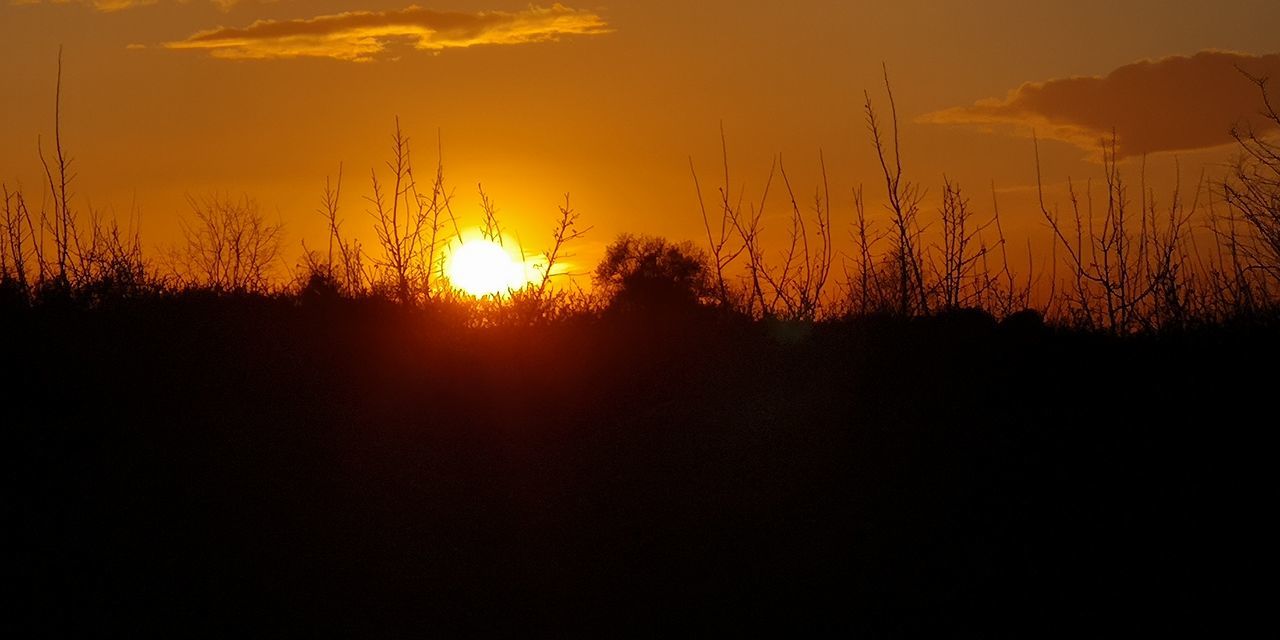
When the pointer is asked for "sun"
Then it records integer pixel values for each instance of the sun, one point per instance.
(483, 267)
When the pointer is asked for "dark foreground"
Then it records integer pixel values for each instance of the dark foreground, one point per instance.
(207, 468)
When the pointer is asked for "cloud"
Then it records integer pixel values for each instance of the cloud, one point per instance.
(1172, 104)
(109, 6)
(100, 5)
(361, 35)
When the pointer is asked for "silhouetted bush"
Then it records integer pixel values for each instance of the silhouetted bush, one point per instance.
(13, 294)
(965, 319)
(1027, 320)
(652, 273)
(229, 246)
(321, 286)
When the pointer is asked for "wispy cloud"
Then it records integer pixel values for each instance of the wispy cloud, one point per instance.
(362, 35)
(108, 6)
(1171, 104)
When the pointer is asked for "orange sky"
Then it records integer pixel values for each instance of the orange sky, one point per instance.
(607, 101)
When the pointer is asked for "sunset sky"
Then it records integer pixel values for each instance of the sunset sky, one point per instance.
(607, 101)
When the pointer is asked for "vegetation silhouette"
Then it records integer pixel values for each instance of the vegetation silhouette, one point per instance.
(228, 462)
(197, 446)
(1208, 260)
(648, 274)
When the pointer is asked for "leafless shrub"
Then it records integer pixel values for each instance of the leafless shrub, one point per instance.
(106, 259)
(398, 231)
(18, 246)
(1252, 190)
(410, 224)
(60, 221)
(343, 263)
(1002, 293)
(865, 292)
(1230, 287)
(1124, 279)
(961, 282)
(229, 246)
(565, 231)
(791, 288)
(806, 265)
(718, 242)
(93, 258)
(431, 214)
(490, 228)
(904, 199)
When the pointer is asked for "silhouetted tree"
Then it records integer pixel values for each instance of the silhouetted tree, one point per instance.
(646, 272)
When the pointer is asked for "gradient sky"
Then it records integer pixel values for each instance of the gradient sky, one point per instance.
(608, 101)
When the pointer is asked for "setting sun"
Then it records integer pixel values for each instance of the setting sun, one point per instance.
(483, 267)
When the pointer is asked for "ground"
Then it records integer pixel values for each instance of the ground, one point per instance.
(204, 465)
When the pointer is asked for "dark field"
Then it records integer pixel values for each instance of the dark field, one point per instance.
(208, 466)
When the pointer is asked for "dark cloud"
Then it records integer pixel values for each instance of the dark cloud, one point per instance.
(1171, 104)
(361, 35)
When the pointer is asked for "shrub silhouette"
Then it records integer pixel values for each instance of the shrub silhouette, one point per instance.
(230, 245)
(320, 286)
(1253, 189)
(652, 273)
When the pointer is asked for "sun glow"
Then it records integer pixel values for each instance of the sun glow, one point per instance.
(483, 267)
